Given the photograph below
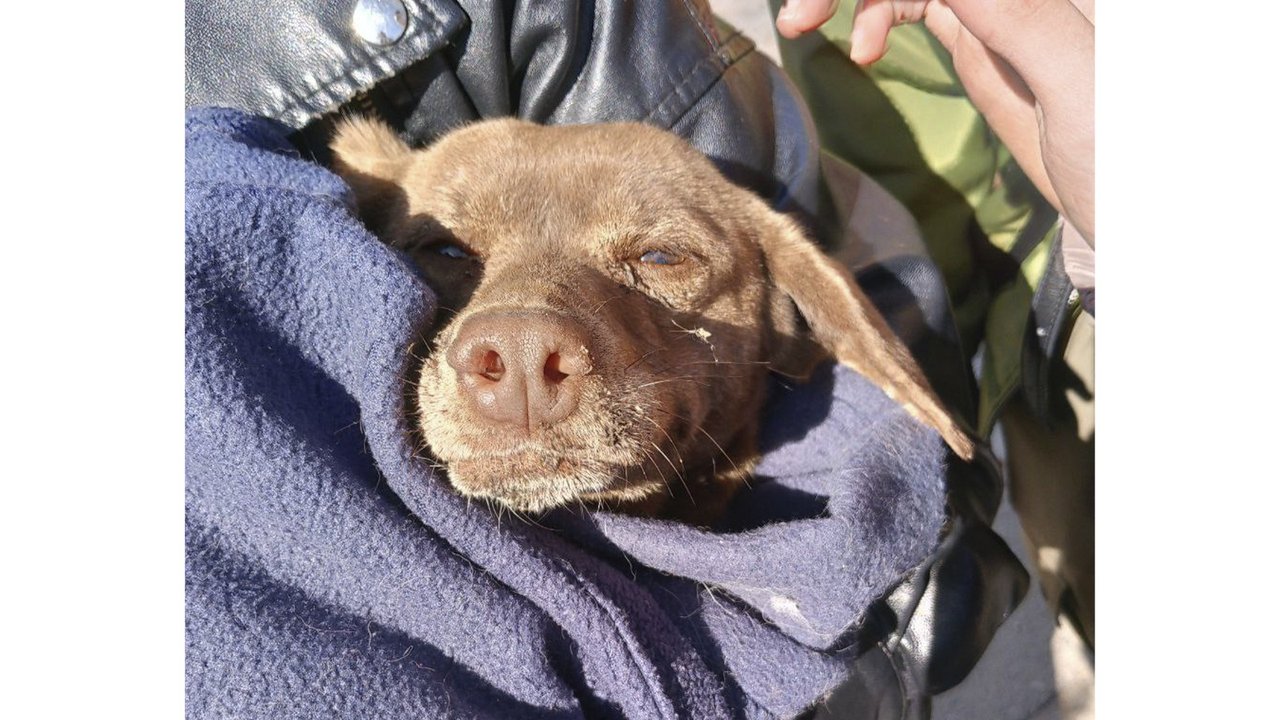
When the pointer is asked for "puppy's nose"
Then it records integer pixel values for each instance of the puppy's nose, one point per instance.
(520, 368)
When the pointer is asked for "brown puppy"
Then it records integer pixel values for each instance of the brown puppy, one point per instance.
(617, 305)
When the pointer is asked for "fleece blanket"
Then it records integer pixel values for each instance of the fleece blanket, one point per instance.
(331, 573)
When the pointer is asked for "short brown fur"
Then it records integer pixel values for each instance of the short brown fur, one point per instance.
(556, 221)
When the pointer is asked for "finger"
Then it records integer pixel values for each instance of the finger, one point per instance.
(801, 16)
(1041, 40)
(1049, 44)
(1007, 105)
(872, 21)
(943, 24)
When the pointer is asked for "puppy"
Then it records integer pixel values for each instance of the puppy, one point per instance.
(616, 305)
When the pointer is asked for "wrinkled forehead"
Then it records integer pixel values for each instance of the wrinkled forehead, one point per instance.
(505, 178)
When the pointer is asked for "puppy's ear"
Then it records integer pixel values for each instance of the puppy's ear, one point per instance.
(371, 157)
(368, 146)
(845, 322)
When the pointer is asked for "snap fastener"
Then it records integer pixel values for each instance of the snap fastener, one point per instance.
(380, 22)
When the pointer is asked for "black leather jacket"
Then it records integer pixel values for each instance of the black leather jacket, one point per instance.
(669, 63)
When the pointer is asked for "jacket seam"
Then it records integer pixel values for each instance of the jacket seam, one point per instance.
(696, 13)
(724, 57)
(674, 91)
(304, 103)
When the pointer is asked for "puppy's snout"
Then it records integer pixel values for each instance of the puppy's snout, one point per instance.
(521, 369)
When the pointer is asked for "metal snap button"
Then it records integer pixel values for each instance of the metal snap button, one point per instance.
(380, 22)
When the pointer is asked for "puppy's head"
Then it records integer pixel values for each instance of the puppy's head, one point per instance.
(615, 305)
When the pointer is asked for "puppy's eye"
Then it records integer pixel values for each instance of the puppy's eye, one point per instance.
(449, 250)
(661, 257)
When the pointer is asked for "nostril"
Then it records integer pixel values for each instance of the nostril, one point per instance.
(491, 366)
(551, 370)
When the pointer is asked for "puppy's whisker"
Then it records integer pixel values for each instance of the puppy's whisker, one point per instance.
(684, 365)
(700, 429)
(726, 362)
(527, 518)
(450, 308)
(679, 475)
(645, 471)
(597, 308)
(686, 378)
(648, 459)
(674, 447)
(639, 359)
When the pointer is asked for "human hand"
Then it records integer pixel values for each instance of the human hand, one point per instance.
(1027, 65)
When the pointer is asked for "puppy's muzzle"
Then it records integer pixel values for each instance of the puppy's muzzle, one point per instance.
(521, 369)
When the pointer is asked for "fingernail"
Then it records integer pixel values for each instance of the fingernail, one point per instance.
(859, 33)
(856, 39)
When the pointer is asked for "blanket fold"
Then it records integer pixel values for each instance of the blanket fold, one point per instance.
(332, 572)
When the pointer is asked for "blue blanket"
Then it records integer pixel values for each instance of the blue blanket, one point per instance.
(333, 573)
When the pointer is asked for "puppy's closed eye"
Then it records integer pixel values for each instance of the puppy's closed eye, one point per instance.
(661, 257)
(448, 249)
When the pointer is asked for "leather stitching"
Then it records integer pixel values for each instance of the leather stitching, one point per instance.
(724, 52)
(424, 29)
(731, 52)
(416, 38)
(701, 16)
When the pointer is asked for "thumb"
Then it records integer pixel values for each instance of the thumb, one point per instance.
(800, 16)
